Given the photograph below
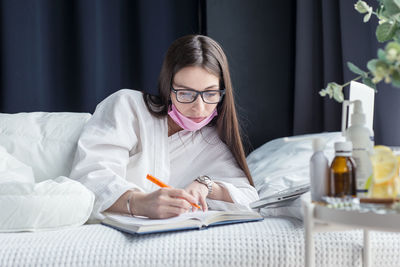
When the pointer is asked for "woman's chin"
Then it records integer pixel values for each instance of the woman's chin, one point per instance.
(197, 119)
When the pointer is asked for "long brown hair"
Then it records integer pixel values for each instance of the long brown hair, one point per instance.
(202, 51)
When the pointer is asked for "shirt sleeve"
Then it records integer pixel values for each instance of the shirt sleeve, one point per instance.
(103, 151)
(223, 169)
(241, 195)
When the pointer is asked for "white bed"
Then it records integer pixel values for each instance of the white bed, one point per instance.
(275, 241)
(272, 242)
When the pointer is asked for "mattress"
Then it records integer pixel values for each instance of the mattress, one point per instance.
(271, 242)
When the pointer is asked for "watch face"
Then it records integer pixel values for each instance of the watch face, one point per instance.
(204, 179)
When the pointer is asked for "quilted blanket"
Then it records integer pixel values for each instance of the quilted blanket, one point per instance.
(273, 242)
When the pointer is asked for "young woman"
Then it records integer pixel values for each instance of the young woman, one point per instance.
(187, 136)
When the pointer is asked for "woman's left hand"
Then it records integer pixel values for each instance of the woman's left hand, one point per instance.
(199, 192)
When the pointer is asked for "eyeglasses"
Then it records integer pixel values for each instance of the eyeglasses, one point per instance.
(189, 95)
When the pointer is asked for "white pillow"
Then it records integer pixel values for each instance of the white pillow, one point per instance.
(40, 146)
(280, 165)
(12, 170)
(51, 204)
(44, 141)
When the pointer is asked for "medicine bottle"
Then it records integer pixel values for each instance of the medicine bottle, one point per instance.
(319, 171)
(343, 172)
(361, 138)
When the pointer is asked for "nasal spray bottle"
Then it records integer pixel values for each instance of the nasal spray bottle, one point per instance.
(363, 141)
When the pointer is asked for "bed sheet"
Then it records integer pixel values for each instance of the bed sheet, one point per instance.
(272, 242)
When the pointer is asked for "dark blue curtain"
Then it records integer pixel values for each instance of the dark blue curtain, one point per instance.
(318, 60)
(258, 37)
(68, 55)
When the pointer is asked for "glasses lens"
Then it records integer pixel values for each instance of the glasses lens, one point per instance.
(212, 96)
(185, 96)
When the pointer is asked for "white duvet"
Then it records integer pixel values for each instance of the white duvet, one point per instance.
(280, 165)
(29, 206)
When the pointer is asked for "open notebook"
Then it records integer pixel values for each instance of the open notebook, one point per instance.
(190, 220)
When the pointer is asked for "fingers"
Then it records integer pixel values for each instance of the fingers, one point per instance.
(203, 203)
(173, 202)
(199, 192)
(175, 198)
(200, 200)
(180, 203)
(182, 194)
(172, 211)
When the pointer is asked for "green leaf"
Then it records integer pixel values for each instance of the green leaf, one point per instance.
(333, 90)
(385, 31)
(367, 16)
(323, 92)
(396, 83)
(392, 51)
(382, 66)
(381, 54)
(396, 79)
(361, 6)
(368, 82)
(393, 45)
(379, 10)
(356, 69)
(371, 65)
(396, 36)
(396, 17)
(392, 7)
(338, 94)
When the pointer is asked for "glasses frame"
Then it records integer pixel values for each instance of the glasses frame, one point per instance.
(222, 92)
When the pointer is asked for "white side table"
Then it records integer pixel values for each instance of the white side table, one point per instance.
(318, 218)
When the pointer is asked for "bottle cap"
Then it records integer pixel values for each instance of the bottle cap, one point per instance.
(345, 146)
(318, 144)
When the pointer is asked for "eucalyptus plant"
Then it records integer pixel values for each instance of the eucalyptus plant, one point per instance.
(386, 67)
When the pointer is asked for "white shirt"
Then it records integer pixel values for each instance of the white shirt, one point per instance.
(123, 142)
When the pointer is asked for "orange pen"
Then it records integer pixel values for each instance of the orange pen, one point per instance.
(161, 184)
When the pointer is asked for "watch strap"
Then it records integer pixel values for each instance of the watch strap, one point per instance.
(204, 179)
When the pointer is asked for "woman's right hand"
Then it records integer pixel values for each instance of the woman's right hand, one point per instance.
(162, 203)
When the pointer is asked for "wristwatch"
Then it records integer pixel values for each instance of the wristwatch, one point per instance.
(204, 179)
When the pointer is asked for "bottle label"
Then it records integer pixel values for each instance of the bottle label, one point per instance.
(364, 171)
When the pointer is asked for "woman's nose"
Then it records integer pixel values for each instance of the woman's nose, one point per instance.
(199, 104)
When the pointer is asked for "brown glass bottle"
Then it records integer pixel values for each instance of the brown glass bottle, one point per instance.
(343, 172)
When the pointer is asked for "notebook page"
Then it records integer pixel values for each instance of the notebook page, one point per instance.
(127, 220)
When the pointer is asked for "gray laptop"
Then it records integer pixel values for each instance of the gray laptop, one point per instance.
(281, 198)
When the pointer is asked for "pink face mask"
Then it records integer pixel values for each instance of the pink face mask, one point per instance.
(187, 123)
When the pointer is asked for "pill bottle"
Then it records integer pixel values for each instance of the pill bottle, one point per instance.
(342, 180)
